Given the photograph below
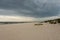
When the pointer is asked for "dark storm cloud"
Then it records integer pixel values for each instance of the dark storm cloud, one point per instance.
(33, 8)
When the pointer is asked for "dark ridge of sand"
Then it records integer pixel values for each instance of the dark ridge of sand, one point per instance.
(28, 31)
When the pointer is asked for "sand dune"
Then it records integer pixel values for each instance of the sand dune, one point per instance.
(28, 31)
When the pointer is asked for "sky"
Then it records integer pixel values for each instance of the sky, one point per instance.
(29, 10)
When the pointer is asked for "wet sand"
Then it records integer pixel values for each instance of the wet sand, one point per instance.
(28, 31)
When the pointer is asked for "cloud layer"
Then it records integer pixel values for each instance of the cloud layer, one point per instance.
(30, 8)
(16, 18)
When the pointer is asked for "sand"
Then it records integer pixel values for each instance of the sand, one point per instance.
(28, 31)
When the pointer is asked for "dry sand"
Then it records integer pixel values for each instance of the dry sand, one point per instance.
(28, 31)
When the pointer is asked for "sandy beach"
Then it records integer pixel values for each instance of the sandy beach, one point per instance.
(28, 31)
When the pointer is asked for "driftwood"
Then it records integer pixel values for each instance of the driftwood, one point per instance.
(38, 24)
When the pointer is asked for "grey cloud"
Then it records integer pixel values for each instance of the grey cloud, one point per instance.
(33, 8)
